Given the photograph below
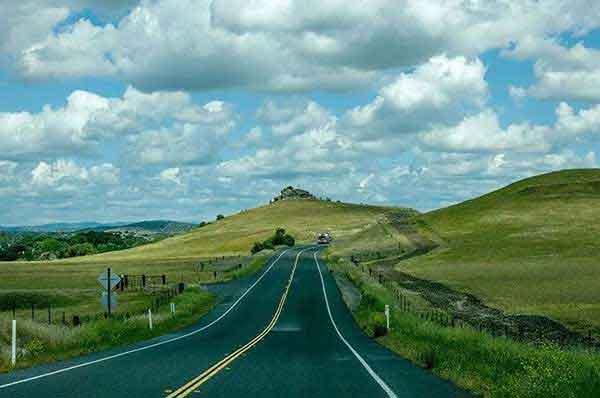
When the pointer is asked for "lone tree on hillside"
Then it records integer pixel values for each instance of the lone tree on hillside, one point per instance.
(220, 217)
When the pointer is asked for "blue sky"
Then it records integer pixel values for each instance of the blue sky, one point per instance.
(134, 110)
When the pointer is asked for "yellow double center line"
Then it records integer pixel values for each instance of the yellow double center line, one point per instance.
(196, 382)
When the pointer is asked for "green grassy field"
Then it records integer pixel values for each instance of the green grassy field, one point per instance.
(532, 247)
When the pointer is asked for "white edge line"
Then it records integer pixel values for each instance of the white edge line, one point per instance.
(390, 393)
(81, 365)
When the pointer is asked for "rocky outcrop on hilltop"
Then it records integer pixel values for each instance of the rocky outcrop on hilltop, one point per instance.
(291, 193)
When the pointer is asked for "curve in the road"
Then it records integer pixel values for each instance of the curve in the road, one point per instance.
(147, 347)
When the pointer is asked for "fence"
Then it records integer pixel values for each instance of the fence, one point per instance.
(509, 326)
(142, 282)
(219, 264)
(50, 315)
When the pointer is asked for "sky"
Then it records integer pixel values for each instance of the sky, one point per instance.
(184, 109)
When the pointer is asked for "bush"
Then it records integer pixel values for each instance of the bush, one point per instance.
(379, 331)
(34, 347)
(428, 359)
(258, 246)
(220, 217)
(81, 249)
(279, 238)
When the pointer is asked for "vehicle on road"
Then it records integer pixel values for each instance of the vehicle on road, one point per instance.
(324, 238)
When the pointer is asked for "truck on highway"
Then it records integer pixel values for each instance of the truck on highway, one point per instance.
(324, 238)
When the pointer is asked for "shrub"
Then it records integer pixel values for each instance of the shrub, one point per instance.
(81, 249)
(279, 238)
(34, 347)
(428, 359)
(379, 331)
(258, 246)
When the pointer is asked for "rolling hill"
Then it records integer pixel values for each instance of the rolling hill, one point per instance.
(531, 247)
(167, 227)
(176, 256)
(152, 227)
(54, 227)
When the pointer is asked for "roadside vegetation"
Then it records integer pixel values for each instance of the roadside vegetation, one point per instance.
(40, 343)
(494, 367)
(525, 254)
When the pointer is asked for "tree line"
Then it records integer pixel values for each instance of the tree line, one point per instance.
(50, 246)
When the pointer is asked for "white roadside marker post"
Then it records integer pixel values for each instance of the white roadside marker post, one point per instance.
(172, 308)
(14, 343)
(150, 318)
(387, 317)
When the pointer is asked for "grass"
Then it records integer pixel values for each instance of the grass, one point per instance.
(40, 343)
(529, 248)
(176, 256)
(489, 366)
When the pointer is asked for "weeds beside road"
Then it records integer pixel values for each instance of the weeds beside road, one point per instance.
(496, 367)
(40, 342)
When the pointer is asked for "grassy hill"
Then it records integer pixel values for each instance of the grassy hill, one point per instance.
(531, 247)
(175, 256)
(152, 227)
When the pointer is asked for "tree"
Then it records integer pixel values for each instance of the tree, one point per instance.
(49, 245)
(13, 252)
(220, 217)
(279, 238)
(81, 249)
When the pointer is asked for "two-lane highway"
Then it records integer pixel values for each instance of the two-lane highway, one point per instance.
(285, 332)
(317, 350)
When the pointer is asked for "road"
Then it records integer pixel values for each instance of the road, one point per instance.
(284, 332)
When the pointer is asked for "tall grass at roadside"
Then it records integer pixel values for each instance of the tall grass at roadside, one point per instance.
(38, 343)
(494, 367)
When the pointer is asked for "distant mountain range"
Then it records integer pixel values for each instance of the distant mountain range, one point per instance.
(143, 227)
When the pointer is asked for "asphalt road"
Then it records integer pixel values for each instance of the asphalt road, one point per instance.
(285, 332)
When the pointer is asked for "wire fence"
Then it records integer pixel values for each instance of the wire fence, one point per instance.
(49, 314)
(520, 328)
(158, 287)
